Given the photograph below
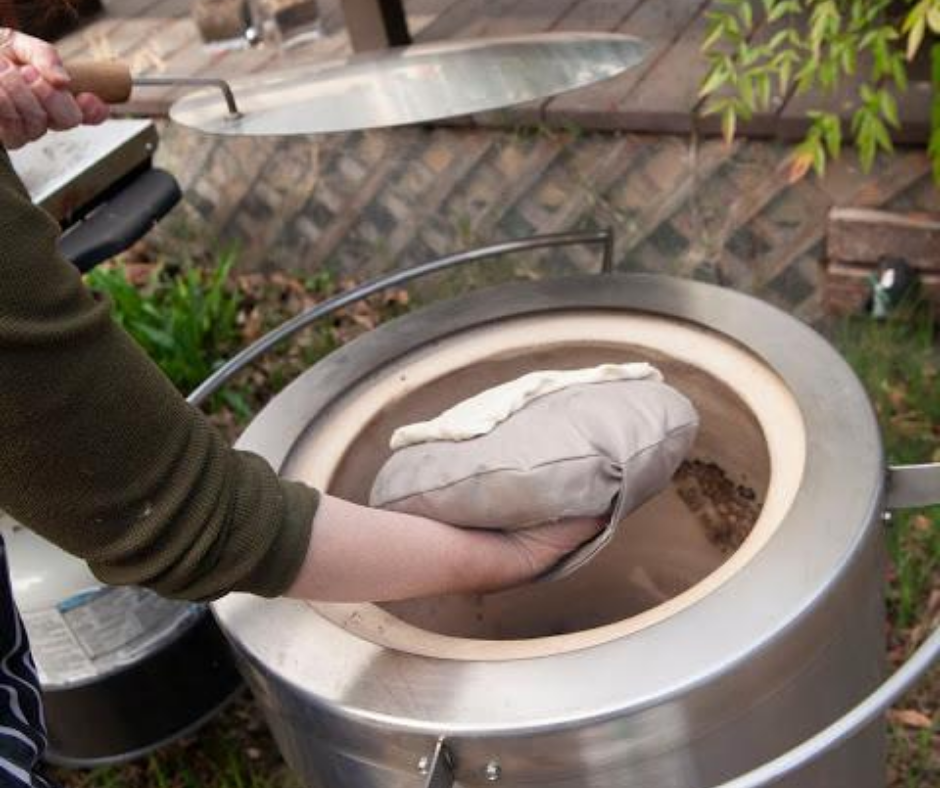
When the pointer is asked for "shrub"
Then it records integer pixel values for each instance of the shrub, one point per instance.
(185, 319)
(821, 45)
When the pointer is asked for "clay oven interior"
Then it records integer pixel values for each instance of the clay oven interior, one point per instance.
(663, 551)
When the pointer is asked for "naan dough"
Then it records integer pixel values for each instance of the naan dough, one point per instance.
(480, 414)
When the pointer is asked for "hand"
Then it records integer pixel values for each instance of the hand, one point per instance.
(33, 92)
(540, 548)
(358, 554)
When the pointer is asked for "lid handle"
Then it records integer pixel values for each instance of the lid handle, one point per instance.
(109, 80)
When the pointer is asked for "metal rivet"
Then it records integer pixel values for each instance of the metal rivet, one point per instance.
(424, 765)
(493, 772)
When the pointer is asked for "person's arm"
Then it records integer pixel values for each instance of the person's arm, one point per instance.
(102, 456)
(358, 554)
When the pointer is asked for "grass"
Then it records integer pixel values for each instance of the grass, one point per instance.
(898, 361)
(217, 313)
(186, 319)
(191, 318)
(234, 751)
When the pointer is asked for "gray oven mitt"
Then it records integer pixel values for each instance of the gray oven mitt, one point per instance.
(588, 450)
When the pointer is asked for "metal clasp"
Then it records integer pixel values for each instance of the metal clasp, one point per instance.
(439, 768)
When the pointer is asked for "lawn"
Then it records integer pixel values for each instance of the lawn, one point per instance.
(898, 362)
(214, 315)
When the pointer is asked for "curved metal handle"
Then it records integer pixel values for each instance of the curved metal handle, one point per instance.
(849, 724)
(909, 486)
(913, 486)
(227, 371)
(195, 82)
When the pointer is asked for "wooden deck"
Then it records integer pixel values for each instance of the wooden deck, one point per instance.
(661, 96)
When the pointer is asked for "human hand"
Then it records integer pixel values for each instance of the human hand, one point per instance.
(34, 96)
(358, 554)
(540, 548)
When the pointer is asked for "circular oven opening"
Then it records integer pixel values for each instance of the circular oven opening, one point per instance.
(721, 507)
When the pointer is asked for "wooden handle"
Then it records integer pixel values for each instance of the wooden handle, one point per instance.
(109, 80)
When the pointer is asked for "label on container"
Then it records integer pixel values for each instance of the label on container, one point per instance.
(92, 633)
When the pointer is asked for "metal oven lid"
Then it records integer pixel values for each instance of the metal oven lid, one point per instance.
(831, 518)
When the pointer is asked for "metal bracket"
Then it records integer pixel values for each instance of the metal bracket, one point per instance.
(439, 768)
(913, 486)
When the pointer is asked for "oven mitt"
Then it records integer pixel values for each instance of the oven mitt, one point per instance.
(551, 445)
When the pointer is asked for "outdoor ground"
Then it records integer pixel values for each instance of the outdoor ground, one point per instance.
(898, 361)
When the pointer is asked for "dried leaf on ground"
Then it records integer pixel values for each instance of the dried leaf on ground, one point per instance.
(910, 718)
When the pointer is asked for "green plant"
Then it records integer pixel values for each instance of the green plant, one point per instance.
(185, 319)
(762, 50)
(898, 362)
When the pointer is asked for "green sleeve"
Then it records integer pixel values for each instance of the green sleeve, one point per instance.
(102, 456)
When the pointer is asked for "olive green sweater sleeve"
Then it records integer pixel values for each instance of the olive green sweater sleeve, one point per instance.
(101, 455)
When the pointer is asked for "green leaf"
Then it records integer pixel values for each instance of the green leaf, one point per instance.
(713, 37)
(729, 122)
(717, 77)
(918, 12)
(819, 160)
(778, 39)
(714, 106)
(881, 135)
(933, 18)
(889, 108)
(778, 12)
(765, 90)
(831, 131)
(159, 337)
(916, 37)
(784, 75)
(899, 73)
(746, 90)
(933, 145)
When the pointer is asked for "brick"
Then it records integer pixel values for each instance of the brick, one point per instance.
(859, 235)
(846, 287)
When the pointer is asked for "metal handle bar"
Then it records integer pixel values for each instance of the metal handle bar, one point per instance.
(914, 486)
(909, 486)
(254, 351)
(439, 768)
(849, 724)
